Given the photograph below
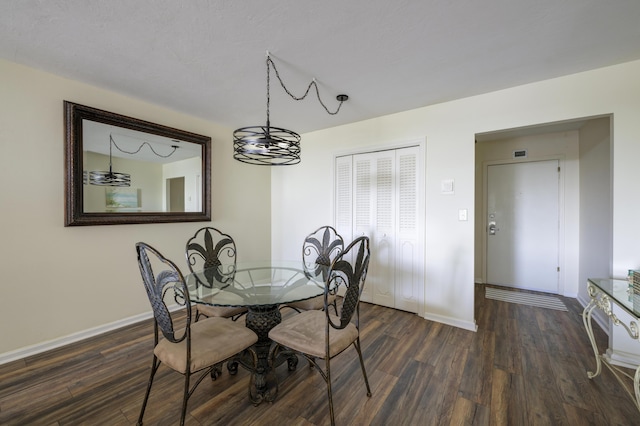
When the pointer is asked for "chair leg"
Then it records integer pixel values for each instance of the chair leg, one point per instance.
(232, 367)
(364, 372)
(330, 395)
(185, 397)
(154, 367)
(216, 371)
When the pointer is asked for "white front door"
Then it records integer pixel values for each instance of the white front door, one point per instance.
(522, 225)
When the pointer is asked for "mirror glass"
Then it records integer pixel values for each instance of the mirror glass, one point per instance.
(125, 170)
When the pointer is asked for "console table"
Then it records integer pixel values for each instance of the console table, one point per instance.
(604, 292)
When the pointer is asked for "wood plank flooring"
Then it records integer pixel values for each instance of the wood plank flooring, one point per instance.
(524, 366)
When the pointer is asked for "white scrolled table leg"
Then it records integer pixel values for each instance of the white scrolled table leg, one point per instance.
(586, 319)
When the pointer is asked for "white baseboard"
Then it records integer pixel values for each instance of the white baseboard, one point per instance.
(71, 338)
(623, 359)
(466, 325)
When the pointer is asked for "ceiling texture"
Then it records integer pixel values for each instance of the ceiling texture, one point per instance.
(207, 58)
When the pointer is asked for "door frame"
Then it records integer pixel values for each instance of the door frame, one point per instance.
(561, 202)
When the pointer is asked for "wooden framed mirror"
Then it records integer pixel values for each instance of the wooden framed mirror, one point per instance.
(122, 170)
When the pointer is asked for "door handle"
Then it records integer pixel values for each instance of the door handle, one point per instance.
(493, 228)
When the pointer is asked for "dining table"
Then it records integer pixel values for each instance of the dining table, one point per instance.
(263, 287)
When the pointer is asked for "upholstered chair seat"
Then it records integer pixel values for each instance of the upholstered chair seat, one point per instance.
(307, 334)
(219, 311)
(213, 340)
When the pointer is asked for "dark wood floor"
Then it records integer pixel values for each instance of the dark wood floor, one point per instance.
(524, 366)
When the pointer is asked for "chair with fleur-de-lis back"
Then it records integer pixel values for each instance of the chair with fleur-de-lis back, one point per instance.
(214, 254)
(319, 250)
(187, 348)
(322, 335)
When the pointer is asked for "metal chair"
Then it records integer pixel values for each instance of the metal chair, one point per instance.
(319, 250)
(215, 253)
(189, 348)
(322, 335)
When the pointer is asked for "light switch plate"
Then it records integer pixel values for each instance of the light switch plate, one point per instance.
(462, 214)
(446, 186)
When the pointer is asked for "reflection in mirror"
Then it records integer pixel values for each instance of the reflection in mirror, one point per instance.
(131, 171)
(124, 170)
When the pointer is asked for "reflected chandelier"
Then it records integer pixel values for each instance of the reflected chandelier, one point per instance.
(273, 146)
(111, 178)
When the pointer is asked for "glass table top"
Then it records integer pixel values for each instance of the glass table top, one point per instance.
(619, 291)
(255, 284)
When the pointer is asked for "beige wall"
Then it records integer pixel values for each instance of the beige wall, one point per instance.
(59, 281)
(595, 200)
(299, 195)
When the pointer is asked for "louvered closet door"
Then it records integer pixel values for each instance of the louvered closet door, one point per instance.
(374, 207)
(344, 200)
(409, 275)
(377, 194)
(344, 197)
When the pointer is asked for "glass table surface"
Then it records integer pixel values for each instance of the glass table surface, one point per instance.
(619, 291)
(256, 284)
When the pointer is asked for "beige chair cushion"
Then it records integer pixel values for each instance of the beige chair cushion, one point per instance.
(213, 340)
(306, 333)
(315, 303)
(219, 311)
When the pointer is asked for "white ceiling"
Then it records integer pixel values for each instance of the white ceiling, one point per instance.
(207, 57)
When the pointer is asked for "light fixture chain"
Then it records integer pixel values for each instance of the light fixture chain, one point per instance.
(313, 83)
(268, 95)
(140, 147)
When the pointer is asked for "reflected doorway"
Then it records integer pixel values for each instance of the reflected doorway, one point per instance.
(175, 194)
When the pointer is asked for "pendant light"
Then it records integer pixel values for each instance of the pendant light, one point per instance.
(111, 178)
(273, 146)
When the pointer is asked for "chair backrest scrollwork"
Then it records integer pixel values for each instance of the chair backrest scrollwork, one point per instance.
(212, 254)
(351, 275)
(320, 249)
(166, 286)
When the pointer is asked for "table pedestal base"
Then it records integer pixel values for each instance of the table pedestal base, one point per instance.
(263, 385)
